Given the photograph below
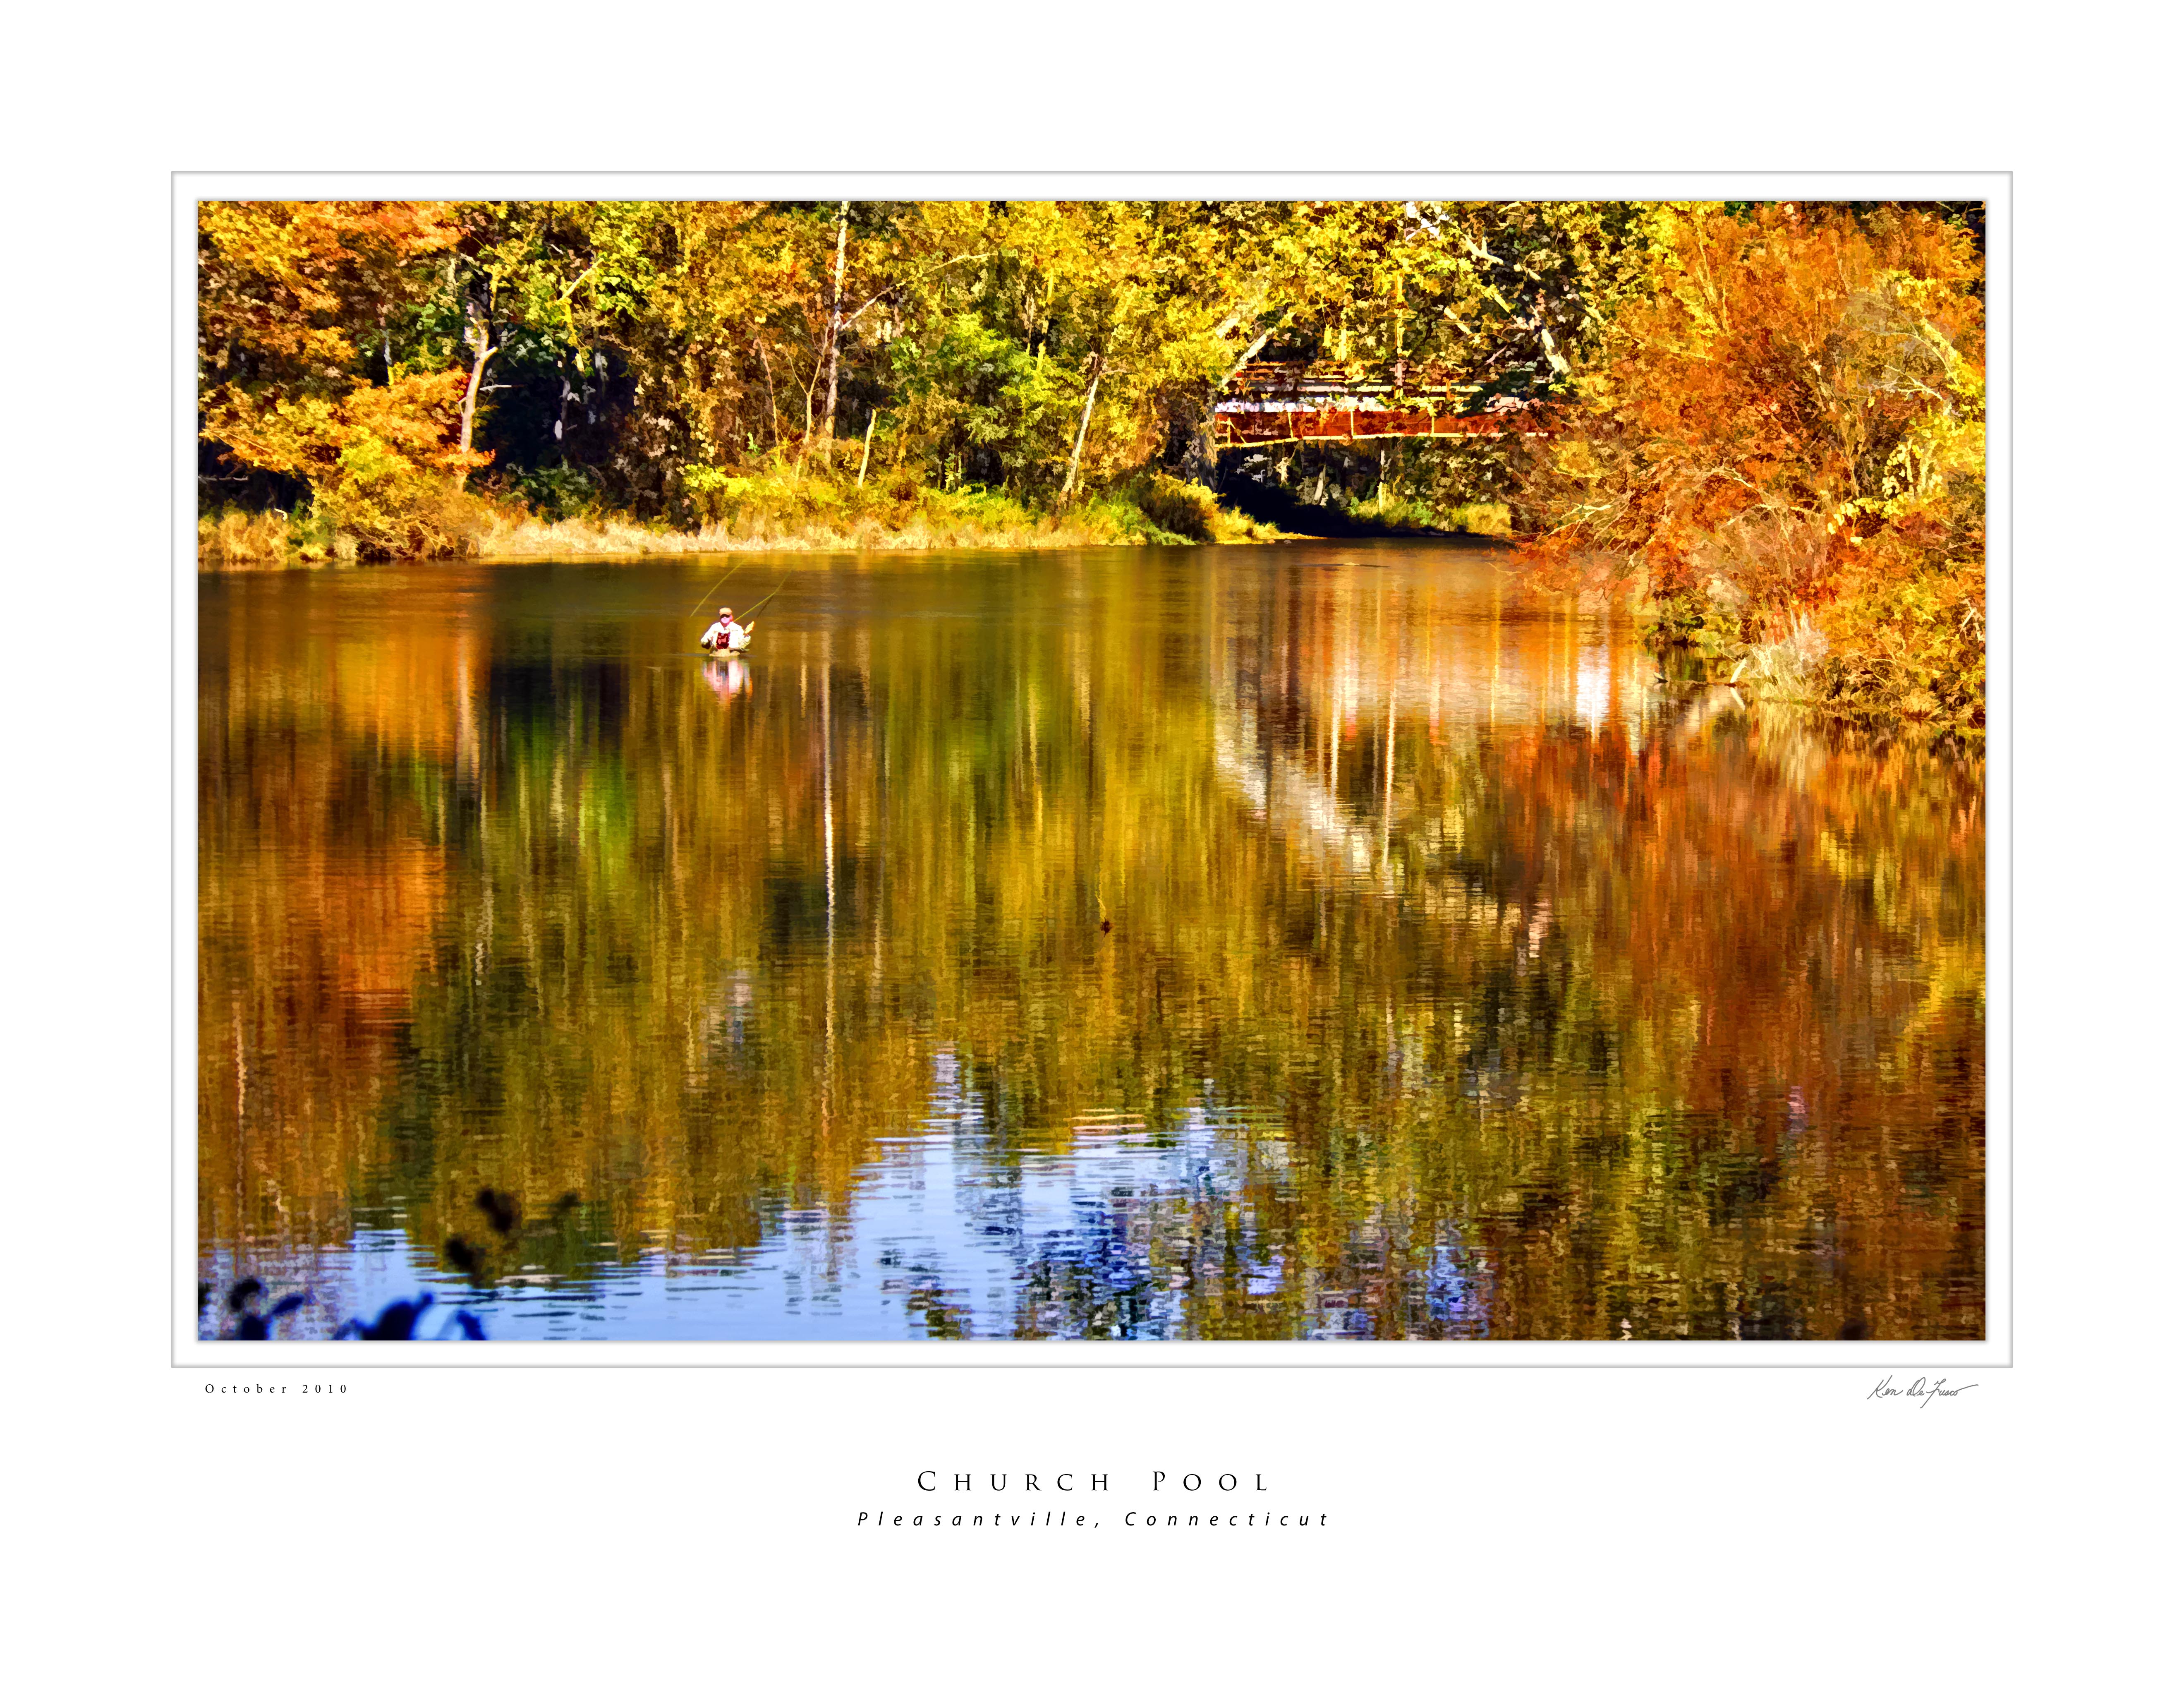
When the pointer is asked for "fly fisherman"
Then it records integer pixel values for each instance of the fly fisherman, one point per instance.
(727, 634)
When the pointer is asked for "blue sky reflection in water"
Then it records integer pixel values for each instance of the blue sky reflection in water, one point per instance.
(938, 1237)
(1294, 942)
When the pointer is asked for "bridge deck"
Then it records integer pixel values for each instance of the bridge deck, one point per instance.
(1269, 402)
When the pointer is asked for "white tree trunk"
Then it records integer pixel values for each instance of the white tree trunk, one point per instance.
(834, 319)
(482, 348)
(1083, 425)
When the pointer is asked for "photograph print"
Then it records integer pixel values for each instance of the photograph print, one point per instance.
(1254, 770)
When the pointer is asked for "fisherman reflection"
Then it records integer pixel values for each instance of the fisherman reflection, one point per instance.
(729, 676)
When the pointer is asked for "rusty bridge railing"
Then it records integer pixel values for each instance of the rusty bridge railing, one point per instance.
(1269, 402)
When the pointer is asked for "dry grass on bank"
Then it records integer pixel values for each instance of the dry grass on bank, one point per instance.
(527, 539)
(248, 539)
(777, 514)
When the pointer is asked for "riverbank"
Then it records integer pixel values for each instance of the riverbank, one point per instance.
(776, 512)
(1379, 517)
(1910, 650)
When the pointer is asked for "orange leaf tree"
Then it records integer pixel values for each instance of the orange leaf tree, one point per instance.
(1784, 431)
(307, 366)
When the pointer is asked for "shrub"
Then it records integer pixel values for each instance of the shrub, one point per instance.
(558, 492)
(713, 493)
(1488, 519)
(1183, 508)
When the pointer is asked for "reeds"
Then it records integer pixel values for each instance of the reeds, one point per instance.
(780, 511)
(1792, 669)
(248, 539)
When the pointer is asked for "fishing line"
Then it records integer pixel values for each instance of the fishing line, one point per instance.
(721, 582)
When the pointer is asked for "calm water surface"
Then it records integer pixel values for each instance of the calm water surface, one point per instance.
(1301, 941)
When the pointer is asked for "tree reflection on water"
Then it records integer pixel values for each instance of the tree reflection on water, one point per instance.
(1292, 943)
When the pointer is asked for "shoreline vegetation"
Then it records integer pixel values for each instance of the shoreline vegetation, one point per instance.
(1767, 420)
(807, 511)
(812, 512)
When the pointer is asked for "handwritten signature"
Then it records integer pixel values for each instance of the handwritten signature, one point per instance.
(1920, 1390)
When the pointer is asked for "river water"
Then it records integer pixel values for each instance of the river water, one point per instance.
(1305, 942)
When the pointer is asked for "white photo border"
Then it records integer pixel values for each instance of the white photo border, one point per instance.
(1995, 1350)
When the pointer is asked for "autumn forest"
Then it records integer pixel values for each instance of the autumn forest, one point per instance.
(1760, 424)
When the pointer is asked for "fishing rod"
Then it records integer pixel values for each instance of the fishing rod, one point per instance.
(751, 614)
